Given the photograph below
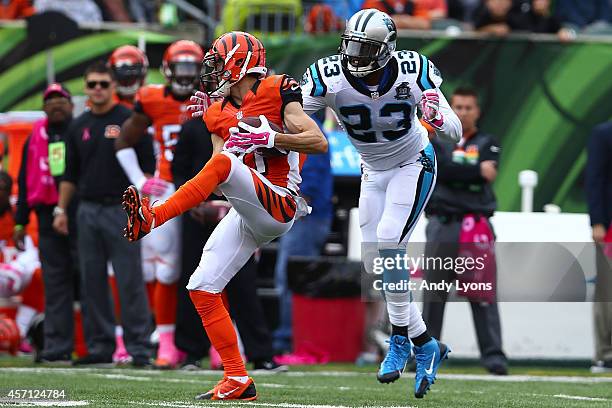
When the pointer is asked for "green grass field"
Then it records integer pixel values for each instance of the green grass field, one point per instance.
(328, 386)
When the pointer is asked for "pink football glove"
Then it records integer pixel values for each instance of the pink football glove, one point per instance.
(201, 102)
(257, 137)
(154, 186)
(430, 107)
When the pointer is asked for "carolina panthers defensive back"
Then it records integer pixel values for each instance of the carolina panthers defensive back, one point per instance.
(374, 91)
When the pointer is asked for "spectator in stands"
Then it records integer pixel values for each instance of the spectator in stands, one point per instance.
(536, 16)
(410, 14)
(15, 9)
(344, 9)
(461, 204)
(599, 199)
(193, 150)
(92, 172)
(42, 167)
(81, 11)
(463, 10)
(584, 13)
(497, 17)
(307, 237)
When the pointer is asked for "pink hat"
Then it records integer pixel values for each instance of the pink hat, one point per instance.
(56, 88)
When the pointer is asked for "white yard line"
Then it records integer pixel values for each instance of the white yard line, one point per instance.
(47, 403)
(576, 397)
(526, 378)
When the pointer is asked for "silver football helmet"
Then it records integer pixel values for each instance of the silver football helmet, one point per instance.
(368, 42)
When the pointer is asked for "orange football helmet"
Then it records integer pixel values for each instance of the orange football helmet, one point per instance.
(180, 66)
(129, 65)
(9, 335)
(231, 57)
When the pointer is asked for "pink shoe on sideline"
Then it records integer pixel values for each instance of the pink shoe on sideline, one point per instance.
(215, 359)
(25, 347)
(121, 356)
(168, 356)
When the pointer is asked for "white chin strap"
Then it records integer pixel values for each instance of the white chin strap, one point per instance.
(181, 90)
(360, 73)
(128, 90)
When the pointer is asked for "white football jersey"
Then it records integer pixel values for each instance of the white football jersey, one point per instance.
(381, 121)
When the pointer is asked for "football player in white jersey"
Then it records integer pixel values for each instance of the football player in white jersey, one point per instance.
(375, 92)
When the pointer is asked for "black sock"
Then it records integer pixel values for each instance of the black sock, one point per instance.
(421, 339)
(399, 330)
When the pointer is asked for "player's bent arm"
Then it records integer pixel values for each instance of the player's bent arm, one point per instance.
(131, 132)
(451, 129)
(305, 137)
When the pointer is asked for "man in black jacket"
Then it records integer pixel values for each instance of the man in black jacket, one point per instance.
(466, 172)
(599, 198)
(92, 171)
(58, 253)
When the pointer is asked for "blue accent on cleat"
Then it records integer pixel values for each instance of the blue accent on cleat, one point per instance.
(428, 359)
(395, 361)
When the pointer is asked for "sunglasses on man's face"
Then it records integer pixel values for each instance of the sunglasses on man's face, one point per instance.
(93, 84)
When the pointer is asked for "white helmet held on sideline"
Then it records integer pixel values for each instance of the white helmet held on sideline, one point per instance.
(368, 42)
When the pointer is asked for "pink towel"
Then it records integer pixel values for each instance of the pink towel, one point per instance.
(476, 241)
(40, 184)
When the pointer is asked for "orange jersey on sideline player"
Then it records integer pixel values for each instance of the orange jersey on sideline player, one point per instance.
(167, 114)
(267, 97)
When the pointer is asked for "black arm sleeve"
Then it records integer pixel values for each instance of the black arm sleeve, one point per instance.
(146, 153)
(22, 216)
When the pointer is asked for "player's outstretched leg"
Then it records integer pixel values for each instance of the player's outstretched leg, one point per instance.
(428, 358)
(395, 361)
(236, 384)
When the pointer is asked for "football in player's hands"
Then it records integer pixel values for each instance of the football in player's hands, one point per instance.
(255, 122)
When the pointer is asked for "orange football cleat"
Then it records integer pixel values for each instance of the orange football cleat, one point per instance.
(229, 389)
(140, 216)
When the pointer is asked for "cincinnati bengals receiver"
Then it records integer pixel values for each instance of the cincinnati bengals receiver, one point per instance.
(262, 190)
(129, 65)
(165, 108)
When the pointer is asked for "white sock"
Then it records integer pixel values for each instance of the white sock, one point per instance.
(398, 307)
(24, 317)
(417, 325)
(165, 328)
(118, 331)
(242, 379)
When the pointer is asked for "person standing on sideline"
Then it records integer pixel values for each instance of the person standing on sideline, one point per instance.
(42, 166)
(464, 197)
(599, 199)
(93, 172)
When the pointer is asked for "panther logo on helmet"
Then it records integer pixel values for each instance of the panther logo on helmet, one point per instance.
(368, 42)
(180, 66)
(231, 57)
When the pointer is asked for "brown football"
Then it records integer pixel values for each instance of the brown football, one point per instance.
(255, 122)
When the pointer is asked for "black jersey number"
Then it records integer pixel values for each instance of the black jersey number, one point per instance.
(362, 128)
